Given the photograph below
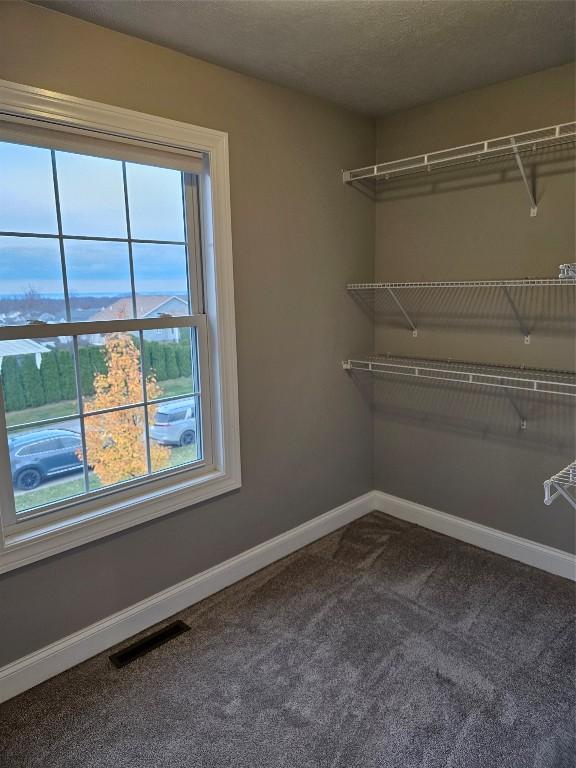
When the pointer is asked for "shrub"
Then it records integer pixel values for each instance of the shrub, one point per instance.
(184, 359)
(31, 382)
(98, 359)
(12, 386)
(86, 372)
(147, 357)
(66, 374)
(172, 370)
(50, 378)
(158, 360)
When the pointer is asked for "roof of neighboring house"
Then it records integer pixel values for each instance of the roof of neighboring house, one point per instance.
(145, 306)
(22, 347)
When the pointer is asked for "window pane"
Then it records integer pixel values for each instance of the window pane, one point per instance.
(98, 280)
(91, 193)
(115, 445)
(38, 380)
(31, 286)
(46, 464)
(155, 203)
(170, 359)
(175, 436)
(111, 371)
(161, 279)
(27, 202)
(130, 429)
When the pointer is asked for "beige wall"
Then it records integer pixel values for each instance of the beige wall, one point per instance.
(298, 237)
(455, 449)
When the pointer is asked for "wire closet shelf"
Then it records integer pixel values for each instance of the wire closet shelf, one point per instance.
(527, 282)
(544, 381)
(514, 145)
(562, 484)
(404, 294)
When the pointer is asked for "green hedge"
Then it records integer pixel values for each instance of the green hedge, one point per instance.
(51, 378)
(14, 399)
(26, 386)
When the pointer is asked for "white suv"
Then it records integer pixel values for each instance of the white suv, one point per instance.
(175, 423)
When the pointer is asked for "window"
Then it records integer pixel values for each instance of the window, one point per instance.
(117, 370)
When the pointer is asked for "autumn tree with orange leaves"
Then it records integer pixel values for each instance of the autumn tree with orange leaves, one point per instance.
(115, 440)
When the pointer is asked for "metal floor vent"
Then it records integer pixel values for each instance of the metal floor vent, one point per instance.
(147, 644)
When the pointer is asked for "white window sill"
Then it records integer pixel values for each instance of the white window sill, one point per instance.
(49, 537)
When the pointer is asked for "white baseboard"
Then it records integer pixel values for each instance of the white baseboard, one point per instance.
(530, 552)
(63, 654)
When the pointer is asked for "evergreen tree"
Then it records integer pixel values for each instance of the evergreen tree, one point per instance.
(12, 387)
(86, 371)
(50, 378)
(158, 360)
(184, 359)
(66, 374)
(172, 370)
(147, 357)
(98, 360)
(31, 382)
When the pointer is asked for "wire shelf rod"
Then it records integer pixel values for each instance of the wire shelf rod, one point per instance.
(562, 383)
(520, 283)
(491, 148)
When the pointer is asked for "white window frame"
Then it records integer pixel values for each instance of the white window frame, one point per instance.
(46, 535)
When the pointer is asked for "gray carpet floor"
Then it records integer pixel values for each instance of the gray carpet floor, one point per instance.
(382, 645)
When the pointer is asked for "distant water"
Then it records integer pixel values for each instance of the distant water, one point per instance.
(73, 296)
(95, 295)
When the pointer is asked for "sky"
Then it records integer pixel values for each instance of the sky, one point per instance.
(92, 204)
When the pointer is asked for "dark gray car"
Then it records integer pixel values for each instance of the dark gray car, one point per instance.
(43, 454)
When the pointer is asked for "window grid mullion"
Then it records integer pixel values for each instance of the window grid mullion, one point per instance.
(102, 411)
(60, 236)
(190, 203)
(91, 328)
(129, 232)
(75, 353)
(145, 404)
(81, 413)
(99, 238)
(135, 315)
(191, 293)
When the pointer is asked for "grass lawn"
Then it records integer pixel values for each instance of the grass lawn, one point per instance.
(66, 489)
(50, 492)
(170, 388)
(50, 411)
(174, 387)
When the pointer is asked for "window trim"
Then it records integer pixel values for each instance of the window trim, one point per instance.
(51, 534)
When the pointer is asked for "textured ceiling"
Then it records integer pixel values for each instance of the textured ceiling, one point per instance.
(374, 56)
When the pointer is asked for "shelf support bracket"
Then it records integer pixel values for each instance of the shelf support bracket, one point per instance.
(519, 320)
(552, 491)
(406, 315)
(529, 190)
(519, 412)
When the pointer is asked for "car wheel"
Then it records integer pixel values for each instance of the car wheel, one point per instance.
(28, 479)
(187, 438)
